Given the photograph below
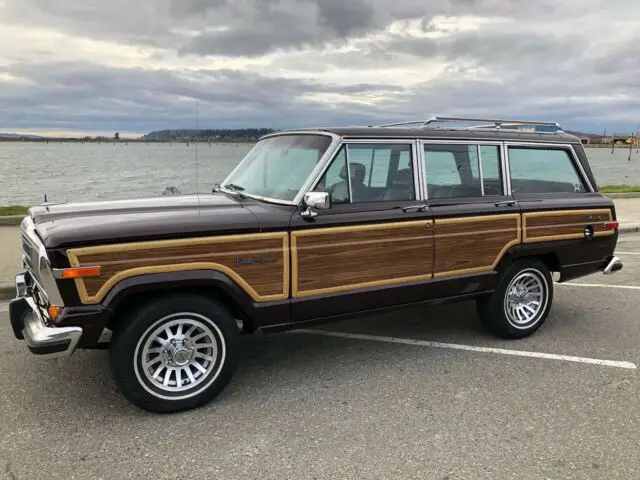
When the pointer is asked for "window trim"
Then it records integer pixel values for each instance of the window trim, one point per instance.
(412, 142)
(477, 143)
(567, 147)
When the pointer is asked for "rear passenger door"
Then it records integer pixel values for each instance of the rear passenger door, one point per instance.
(475, 220)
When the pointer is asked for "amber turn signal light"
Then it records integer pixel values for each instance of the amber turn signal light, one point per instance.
(54, 311)
(78, 272)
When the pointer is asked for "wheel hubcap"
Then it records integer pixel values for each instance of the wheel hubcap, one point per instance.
(179, 354)
(526, 298)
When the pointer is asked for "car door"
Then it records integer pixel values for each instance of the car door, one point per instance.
(475, 220)
(374, 247)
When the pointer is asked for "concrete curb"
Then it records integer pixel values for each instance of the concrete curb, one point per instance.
(613, 196)
(7, 292)
(11, 221)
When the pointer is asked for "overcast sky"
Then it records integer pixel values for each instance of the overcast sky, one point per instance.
(138, 65)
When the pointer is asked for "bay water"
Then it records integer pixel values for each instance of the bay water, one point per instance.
(70, 172)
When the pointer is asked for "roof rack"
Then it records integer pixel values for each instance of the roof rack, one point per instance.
(486, 123)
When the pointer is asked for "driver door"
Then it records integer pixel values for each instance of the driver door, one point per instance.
(373, 248)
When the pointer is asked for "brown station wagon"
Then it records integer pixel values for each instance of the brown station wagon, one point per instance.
(313, 226)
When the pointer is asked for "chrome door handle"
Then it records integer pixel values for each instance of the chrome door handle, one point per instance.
(507, 203)
(415, 208)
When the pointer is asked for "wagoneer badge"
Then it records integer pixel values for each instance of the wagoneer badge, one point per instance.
(254, 260)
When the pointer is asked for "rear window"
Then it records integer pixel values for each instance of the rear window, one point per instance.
(543, 170)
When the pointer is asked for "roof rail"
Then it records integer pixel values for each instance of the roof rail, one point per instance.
(487, 123)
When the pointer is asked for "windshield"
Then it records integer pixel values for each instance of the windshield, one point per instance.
(277, 167)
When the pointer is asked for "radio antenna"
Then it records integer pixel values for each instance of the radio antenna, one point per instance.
(196, 145)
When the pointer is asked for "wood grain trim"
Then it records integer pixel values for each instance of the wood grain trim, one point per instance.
(507, 246)
(527, 238)
(296, 293)
(73, 255)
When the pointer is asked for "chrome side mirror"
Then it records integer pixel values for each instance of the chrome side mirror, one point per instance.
(316, 201)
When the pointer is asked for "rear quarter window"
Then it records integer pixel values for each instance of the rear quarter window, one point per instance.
(543, 170)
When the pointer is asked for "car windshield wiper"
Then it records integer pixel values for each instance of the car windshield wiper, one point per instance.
(233, 186)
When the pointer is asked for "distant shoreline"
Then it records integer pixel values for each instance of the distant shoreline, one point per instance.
(122, 140)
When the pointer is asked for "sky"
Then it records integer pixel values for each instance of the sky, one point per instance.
(133, 66)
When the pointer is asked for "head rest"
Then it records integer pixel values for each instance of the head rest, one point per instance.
(358, 172)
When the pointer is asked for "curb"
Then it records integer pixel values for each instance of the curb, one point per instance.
(11, 221)
(7, 292)
(613, 196)
(629, 229)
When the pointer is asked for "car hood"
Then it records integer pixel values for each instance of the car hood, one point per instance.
(92, 223)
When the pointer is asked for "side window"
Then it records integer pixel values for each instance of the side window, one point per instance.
(452, 170)
(381, 172)
(334, 181)
(543, 170)
(378, 172)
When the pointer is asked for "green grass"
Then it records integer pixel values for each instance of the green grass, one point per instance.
(619, 188)
(13, 210)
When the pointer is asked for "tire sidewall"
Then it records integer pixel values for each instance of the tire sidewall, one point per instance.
(519, 267)
(124, 352)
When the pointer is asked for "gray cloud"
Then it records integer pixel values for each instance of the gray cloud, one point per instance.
(545, 58)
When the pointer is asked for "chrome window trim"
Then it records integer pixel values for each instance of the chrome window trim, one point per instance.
(335, 140)
(557, 146)
(477, 143)
(506, 171)
(346, 156)
(480, 169)
(344, 141)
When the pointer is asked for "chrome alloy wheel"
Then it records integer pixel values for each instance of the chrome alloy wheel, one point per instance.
(179, 356)
(526, 298)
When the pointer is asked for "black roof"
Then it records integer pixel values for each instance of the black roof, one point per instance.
(449, 134)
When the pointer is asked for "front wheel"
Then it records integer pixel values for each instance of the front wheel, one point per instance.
(521, 302)
(175, 353)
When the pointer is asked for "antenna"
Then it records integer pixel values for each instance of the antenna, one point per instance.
(196, 145)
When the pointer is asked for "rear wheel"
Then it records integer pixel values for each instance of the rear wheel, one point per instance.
(521, 302)
(175, 353)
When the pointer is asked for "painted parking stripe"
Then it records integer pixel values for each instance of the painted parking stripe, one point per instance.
(472, 348)
(598, 285)
(627, 253)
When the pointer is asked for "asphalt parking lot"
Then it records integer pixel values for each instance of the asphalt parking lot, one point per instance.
(432, 396)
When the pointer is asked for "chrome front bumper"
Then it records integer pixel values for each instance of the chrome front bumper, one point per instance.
(29, 324)
(613, 265)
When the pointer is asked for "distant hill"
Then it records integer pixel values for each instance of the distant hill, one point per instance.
(20, 135)
(210, 134)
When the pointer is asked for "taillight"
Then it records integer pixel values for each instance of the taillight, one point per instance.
(611, 225)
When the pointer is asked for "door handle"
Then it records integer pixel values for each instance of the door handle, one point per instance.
(507, 203)
(415, 208)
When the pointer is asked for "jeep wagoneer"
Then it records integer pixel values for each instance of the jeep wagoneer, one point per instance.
(312, 226)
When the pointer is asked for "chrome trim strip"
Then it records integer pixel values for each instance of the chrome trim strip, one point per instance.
(415, 164)
(506, 171)
(558, 146)
(479, 151)
(346, 155)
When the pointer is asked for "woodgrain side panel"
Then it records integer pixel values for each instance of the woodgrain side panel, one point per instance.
(327, 260)
(564, 225)
(263, 269)
(473, 244)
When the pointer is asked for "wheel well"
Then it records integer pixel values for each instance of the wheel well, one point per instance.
(551, 260)
(134, 300)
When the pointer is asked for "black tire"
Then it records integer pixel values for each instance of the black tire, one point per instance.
(495, 312)
(142, 328)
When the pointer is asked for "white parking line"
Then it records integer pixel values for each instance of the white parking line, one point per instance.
(628, 253)
(472, 348)
(600, 285)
